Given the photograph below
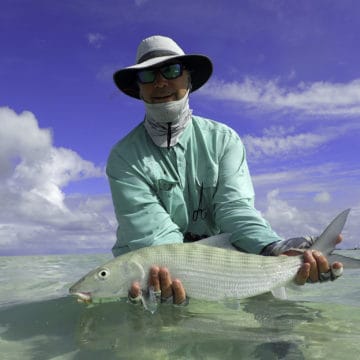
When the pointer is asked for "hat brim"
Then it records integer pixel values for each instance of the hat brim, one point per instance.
(200, 67)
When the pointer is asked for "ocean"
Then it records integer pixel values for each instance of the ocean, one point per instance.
(39, 320)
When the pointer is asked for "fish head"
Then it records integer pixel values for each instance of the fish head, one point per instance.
(108, 282)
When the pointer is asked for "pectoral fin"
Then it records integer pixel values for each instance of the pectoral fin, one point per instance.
(151, 301)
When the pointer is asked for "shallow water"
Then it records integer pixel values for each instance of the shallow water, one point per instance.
(39, 321)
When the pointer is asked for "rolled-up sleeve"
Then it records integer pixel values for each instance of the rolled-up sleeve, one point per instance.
(234, 202)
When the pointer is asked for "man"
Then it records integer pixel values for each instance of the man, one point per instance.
(177, 177)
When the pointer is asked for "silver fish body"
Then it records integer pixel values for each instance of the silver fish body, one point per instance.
(207, 271)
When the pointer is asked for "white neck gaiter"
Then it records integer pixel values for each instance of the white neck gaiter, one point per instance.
(165, 122)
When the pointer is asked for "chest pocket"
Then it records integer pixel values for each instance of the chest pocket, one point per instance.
(167, 193)
(171, 197)
(166, 185)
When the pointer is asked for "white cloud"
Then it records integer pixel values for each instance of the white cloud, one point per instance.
(303, 201)
(322, 197)
(36, 215)
(293, 221)
(306, 182)
(289, 145)
(285, 142)
(289, 220)
(280, 213)
(319, 98)
(275, 131)
(33, 172)
(95, 39)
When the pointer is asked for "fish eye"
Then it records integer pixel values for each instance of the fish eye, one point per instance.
(103, 273)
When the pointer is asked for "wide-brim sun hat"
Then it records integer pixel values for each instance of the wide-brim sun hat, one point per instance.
(156, 50)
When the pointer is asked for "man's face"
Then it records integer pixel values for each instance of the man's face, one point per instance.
(164, 90)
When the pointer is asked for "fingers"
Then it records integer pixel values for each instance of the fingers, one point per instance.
(171, 289)
(179, 292)
(160, 281)
(317, 268)
(337, 269)
(303, 274)
(337, 266)
(309, 271)
(318, 264)
(339, 239)
(154, 281)
(135, 290)
(165, 283)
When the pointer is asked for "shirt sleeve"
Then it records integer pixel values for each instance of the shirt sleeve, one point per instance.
(234, 202)
(142, 220)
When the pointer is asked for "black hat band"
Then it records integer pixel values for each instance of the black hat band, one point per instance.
(155, 54)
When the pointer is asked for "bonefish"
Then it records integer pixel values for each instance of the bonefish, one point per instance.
(208, 272)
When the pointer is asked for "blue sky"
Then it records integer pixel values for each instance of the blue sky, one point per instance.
(286, 78)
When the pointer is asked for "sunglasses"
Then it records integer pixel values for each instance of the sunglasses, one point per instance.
(169, 72)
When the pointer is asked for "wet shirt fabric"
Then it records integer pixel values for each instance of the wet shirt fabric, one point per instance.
(200, 186)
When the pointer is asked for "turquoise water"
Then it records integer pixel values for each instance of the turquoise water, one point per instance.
(38, 320)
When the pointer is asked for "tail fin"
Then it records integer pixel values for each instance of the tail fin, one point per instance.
(326, 242)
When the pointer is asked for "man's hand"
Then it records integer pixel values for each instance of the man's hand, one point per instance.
(172, 291)
(315, 263)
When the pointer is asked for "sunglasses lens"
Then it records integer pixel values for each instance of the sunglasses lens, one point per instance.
(146, 76)
(169, 72)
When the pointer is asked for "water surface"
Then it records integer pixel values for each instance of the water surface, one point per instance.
(38, 320)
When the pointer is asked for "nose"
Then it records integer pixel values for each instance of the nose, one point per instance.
(160, 81)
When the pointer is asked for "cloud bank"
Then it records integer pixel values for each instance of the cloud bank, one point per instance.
(289, 145)
(38, 216)
(35, 211)
(318, 98)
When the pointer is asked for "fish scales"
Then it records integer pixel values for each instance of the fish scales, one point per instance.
(208, 272)
(214, 273)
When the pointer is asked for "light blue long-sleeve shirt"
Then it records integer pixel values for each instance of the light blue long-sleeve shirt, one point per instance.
(156, 190)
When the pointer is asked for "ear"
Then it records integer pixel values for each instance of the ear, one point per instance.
(189, 82)
(140, 94)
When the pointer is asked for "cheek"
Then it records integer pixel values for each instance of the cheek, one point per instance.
(180, 93)
(182, 87)
(183, 82)
(144, 93)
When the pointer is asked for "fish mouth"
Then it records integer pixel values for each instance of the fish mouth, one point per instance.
(83, 297)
